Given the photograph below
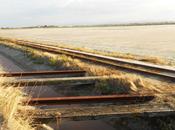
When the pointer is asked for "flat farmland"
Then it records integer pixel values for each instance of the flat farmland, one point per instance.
(152, 40)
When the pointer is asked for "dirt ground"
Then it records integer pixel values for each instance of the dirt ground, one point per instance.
(8, 65)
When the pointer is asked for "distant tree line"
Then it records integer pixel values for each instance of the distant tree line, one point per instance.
(98, 25)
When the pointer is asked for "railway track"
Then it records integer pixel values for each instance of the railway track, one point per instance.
(90, 112)
(126, 65)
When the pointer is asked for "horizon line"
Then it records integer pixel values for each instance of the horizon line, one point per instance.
(94, 25)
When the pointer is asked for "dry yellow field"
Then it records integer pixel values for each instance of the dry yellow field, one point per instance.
(152, 40)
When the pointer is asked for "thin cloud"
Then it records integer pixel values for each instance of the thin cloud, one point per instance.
(69, 2)
(73, 12)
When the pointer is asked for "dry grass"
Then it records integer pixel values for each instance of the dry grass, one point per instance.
(117, 84)
(10, 104)
(117, 81)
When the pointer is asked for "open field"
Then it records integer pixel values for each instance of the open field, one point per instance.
(152, 40)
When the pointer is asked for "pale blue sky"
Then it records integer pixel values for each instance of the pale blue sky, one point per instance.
(73, 12)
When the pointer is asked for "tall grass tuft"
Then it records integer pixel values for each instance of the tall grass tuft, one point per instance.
(116, 84)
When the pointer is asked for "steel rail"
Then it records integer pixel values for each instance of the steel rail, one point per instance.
(119, 60)
(40, 73)
(89, 99)
(104, 60)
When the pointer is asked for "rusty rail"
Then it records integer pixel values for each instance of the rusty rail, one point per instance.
(40, 73)
(89, 99)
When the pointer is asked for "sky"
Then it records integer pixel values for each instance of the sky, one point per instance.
(17, 13)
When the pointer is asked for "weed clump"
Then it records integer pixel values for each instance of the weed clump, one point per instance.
(117, 85)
